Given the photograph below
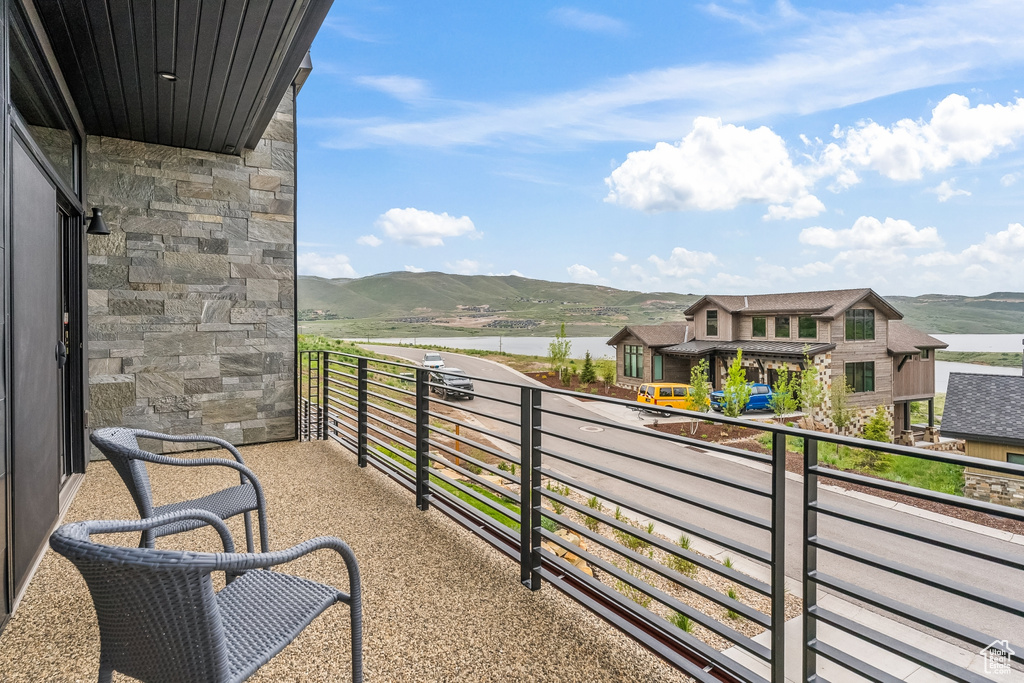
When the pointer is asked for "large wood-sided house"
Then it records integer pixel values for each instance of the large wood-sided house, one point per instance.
(853, 333)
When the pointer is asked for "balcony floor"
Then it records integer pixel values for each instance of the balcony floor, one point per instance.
(439, 603)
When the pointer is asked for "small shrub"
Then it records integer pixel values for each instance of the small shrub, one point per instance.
(877, 429)
(475, 469)
(637, 571)
(682, 622)
(608, 375)
(618, 514)
(565, 375)
(734, 596)
(594, 504)
(727, 562)
(592, 522)
(588, 374)
(503, 466)
(512, 468)
(556, 505)
(635, 543)
(681, 565)
(549, 524)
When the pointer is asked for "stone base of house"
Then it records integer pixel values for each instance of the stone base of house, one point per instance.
(994, 489)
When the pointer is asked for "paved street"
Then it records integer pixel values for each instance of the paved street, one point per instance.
(994, 578)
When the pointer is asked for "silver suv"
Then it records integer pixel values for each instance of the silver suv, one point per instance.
(433, 360)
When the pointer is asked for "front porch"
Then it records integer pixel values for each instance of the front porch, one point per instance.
(439, 603)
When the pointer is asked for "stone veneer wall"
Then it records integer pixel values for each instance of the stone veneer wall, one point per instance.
(191, 296)
(994, 489)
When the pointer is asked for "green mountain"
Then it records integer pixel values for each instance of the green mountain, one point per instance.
(441, 304)
(434, 304)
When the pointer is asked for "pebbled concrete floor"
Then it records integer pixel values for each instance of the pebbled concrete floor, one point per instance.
(439, 603)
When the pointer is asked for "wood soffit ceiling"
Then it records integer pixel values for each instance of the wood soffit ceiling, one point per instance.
(233, 61)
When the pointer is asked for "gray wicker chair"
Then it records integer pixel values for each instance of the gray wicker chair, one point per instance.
(161, 621)
(121, 447)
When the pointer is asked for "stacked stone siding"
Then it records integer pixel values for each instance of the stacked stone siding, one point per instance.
(994, 489)
(191, 296)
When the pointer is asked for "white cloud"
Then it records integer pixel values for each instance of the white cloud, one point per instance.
(870, 233)
(464, 267)
(619, 258)
(715, 167)
(829, 60)
(334, 266)
(580, 273)
(946, 191)
(587, 21)
(415, 269)
(907, 149)
(370, 241)
(1009, 179)
(424, 228)
(404, 88)
(683, 263)
(812, 269)
(1003, 251)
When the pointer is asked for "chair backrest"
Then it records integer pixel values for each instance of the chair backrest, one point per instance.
(157, 610)
(119, 444)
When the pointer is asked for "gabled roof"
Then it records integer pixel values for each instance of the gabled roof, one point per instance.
(904, 339)
(655, 336)
(984, 408)
(826, 305)
(795, 349)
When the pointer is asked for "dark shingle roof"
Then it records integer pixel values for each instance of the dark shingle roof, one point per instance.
(903, 338)
(665, 334)
(774, 348)
(984, 408)
(824, 304)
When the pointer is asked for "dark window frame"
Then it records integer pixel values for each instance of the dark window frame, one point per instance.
(633, 361)
(782, 322)
(708, 322)
(800, 327)
(860, 324)
(1015, 458)
(861, 376)
(926, 354)
(657, 367)
(764, 327)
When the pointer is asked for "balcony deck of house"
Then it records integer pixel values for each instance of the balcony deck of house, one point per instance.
(439, 603)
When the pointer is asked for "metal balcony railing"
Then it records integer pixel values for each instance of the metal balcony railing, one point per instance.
(512, 463)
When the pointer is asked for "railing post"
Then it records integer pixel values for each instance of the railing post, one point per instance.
(422, 440)
(325, 413)
(810, 588)
(361, 410)
(778, 557)
(534, 462)
(525, 472)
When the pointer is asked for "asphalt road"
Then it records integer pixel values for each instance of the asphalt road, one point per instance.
(992, 577)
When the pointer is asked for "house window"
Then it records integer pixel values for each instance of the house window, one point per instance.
(926, 354)
(807, 328)
(1015, 458)
(860, 324)
(633, 361)
(657, 367)
(861, 376)
(782, 327)
(760, 326)
(712, 330)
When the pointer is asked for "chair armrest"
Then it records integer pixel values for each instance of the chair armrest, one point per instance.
(126, 525)
(241, 562)
(191, 438)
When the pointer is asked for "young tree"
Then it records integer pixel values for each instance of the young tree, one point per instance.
(559, 349)
(810, 389)
(608, 374)
(700, 392)
(877, 429)
(782, 401)
(588, 375)
(736, 390)
(842, 411)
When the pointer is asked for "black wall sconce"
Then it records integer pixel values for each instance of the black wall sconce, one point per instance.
(97, 226)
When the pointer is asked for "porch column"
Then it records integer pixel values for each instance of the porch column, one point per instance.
(931, 412)
(906, 414)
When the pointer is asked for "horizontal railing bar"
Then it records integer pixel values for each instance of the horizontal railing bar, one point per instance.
(490, 486)
(378, 371)
(468, 458)
(472, 442)
(338, 422)
(388, 461)
(382, 385)
(705, 620)
(352, 415)
(700, 532)
(749, 488)
(375, 427)
(851, 663)
(393, 449)
(966, 548)
(697, 587)
(898, 647)
(924, 494)
(333, 375)
(332, 392)
(718, 659)
(940, 624)
(482, 430)
(332, 361)
(478, 516)
(751, 520)
(512, 515)
(479, 413)
(470, 392)
(388, 411)
(999, 602)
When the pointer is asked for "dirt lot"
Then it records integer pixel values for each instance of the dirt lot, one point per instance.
(599, 388)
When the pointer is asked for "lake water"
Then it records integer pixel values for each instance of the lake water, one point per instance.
(538, 346)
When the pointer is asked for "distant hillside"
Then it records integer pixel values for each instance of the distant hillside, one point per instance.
(998, 312)
(440, 304)
(434, 304)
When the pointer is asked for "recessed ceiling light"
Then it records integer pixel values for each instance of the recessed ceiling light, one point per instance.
(166, 75)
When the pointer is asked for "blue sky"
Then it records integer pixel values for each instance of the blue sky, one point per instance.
(733, 146)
